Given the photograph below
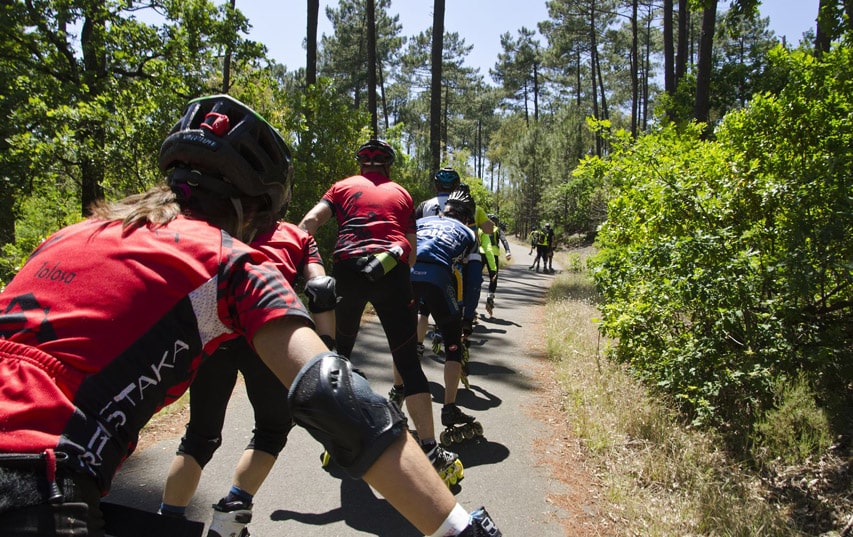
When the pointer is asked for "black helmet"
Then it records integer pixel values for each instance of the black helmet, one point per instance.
(375, 152)
(494, 218)
(460, 204)
(242, 153)
(446, 180)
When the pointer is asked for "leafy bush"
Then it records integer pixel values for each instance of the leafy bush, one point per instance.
(726, 265)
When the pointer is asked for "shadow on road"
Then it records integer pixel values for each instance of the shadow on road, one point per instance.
(360, 509)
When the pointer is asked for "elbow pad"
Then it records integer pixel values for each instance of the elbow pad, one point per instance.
(339, 409)
(321, 294)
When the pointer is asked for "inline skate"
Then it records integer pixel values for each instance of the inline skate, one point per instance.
(437, 343)
(490, 304)
(447, 464)
(458, 426)
(481, 525)
(397, 395)
(230, 519)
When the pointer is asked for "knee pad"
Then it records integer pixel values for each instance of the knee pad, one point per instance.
(339, 409)
(198, 447)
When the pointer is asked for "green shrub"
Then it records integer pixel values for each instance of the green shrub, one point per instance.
(724, 265)
(794, 429)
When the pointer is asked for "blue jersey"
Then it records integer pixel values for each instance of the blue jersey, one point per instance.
(444, 241)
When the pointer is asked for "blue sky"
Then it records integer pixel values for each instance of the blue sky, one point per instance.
(479, 22)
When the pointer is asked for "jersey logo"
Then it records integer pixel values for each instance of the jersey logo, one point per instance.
(24, 315)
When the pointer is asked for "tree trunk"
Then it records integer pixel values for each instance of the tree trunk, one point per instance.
(435, 83)
(647, 62)
(593, 72)
(91, 132)
(683, 39)
(8, 200)
(371, 66)
(823, 34)
(536, 92)
(635, 67)
(668, 50)
(226, 67)
(311, 42)
(702, 104)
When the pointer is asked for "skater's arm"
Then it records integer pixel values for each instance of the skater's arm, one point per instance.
(324, 321)
(316, 217)
(402, 474)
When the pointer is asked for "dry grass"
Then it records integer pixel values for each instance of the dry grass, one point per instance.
(660, 478)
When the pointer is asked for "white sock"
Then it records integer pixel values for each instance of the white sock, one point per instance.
(454, 524)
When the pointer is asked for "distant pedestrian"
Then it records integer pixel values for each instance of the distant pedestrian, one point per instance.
(548, 262)
(538, 241)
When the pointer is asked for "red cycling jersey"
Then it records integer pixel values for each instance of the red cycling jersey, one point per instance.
(290, 247)
(102, 327)
(374, 215)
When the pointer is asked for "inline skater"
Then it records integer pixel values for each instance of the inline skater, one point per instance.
(496, 239)
(296, 254)
(444, 241)
(158, 281)
(445, 181)
(373, 254)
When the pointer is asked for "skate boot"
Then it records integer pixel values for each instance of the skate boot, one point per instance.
(397, 395)
(230, 519)
(437, 344)
(458, 426)
(490, 304)
(447, 464)
(481, 525)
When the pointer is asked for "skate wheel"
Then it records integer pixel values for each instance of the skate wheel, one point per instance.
(468, 433)
(477, 427)
(457, 436)
(445, 439)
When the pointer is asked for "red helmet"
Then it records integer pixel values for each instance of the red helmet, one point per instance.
(226, 139)
(375, 152)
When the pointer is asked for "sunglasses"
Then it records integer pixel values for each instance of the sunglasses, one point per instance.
(373, 157)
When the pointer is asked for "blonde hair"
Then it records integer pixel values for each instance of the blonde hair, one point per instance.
(160, 205)
(157, 206)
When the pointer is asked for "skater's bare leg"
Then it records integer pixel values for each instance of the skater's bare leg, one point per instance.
(423, 326)
(419, 406)
(405, 477)
(252, 468)
(452, 374)
(182, 480)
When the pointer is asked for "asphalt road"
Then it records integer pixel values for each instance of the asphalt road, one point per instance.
(299, 498)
